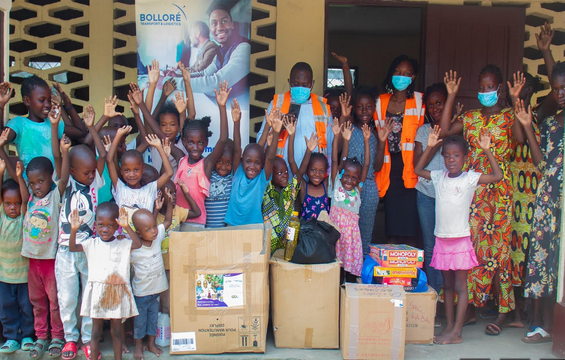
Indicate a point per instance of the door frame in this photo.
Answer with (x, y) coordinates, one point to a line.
(381, 3)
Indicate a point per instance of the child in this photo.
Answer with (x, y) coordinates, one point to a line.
(16, 310)
(221, 177)
(345, 191)
(454, 192)
(107, 294)
(280, 196)
(71, 269)
(250, 181)
(543, 264)
(149, 279)
(32, 134)
(179, 216)
(40, 243)
(194, 169)
(314, 197)
(132, 193)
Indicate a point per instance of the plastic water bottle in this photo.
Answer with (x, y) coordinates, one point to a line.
(291, 236)
(163, 337)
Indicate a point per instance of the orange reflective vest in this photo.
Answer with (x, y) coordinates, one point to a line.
(322, 118)
(413, 118)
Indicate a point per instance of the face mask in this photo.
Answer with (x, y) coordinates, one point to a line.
(489, 99)
(300, 94)
(401, 82)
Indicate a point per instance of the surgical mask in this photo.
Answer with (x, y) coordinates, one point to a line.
(401, 82)
(489, 99)
(300, 94)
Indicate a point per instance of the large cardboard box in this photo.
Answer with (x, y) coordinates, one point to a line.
(305, 304)
(373, 321)
(219, 289)
(420, 315)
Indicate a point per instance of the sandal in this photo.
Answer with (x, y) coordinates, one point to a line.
(86, 350)
(56, 348)
(38, 349)
(492, 329)
(10, 346)
(27, 344)
(531, 337)
(69, 347)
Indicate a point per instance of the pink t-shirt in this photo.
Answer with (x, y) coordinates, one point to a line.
(198, 186)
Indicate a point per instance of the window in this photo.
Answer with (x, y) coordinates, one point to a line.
(335, 77)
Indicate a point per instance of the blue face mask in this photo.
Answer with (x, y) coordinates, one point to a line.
(300, 94)
(489, 99)
(401, 82)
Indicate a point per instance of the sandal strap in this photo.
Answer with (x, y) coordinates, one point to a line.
(70, 346)
(10, 344)
(539, 330)
(56, 343)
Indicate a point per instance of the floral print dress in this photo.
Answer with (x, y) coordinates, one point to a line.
(543, 262)
(491, 211)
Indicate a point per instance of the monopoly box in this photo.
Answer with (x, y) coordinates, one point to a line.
(389, 255)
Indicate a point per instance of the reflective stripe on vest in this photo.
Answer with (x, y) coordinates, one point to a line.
(413, 119)
(322, 118)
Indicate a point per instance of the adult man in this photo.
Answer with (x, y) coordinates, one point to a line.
(204, 49)
(312, 112)
(232, 60)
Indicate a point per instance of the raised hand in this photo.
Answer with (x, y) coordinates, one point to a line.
(6, 92)
(275, 113)
(366, 132)
(110, 107)
(452, 82)
(19, 168)
(484, 139)
(289, 125)
(56, 98)
(525, 118)
(277, 124)
(159, 201)
(312, 144)
(65, 98)
(235, 111)
(4, 136)
(458, 111)
(545, 36)
(270, 137)
(107, 142)
(75, 220)
(342, 59)
(346, 131)
(223, 93)
(180, 101)
(65, 143)
(136, 93)
(185, 73)
(169, 195)
(336, 127)
(385, 130)
(123, 220)
(433, 138)
(167, 146)
(182, 185)
(123, 131)
(153, 140)
(519, 82)
(153, 71)
(2, 167)
(55, 115)
(88, 115)
(133, 105)
(346, 108)
(169, 86)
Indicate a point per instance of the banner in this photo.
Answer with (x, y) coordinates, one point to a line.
(209, 37)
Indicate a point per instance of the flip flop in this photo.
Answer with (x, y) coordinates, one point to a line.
(490, 314)
(494, 332)
(86, 350)
(27, 344)
(544, 336)
(38, 349)
(10, 346)
(69, 347)
(56, 344)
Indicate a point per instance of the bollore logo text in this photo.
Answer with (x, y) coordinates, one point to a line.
(172, 18)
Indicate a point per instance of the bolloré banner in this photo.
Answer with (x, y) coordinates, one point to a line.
(211, 38)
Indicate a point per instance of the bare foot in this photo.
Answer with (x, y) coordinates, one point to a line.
(125, 349)
(448, 338)
(515, 324)
(154, 349)
(448, 330)
(138, 352)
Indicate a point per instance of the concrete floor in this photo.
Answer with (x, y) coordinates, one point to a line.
(475, 345)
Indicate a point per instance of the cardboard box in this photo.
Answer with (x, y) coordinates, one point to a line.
(373, 321)
(219, 289)
(389, 255)
(420, 315)
(305, 304)
(403, 272)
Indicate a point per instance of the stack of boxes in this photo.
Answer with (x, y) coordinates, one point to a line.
(397, 264)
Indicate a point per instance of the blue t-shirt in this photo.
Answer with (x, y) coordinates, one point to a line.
(33, 139)
(246, 198)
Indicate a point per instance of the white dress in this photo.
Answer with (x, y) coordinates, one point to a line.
(108, 293)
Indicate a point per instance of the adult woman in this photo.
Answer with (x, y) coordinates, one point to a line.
(394, 165)
(491, 211)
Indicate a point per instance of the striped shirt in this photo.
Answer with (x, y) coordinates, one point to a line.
(13, 266)
(217, 203)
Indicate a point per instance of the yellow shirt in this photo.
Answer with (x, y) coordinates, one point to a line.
(179, 216)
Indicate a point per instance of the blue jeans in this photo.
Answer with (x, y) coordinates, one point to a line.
(16, 311)
(146, 322)
(427, 215)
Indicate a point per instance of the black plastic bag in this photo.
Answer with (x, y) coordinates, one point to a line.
(316, 243)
